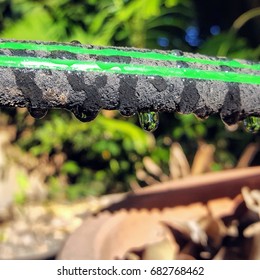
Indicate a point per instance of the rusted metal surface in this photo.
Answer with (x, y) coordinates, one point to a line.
(149, 217)
(192, 189)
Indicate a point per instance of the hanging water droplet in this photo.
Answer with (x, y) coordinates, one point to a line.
(229, 120)
(75, 42)
(84, 115)
(37, 113)
(252, 124)
(177, 52)
(149, 120)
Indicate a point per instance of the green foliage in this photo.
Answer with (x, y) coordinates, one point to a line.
(95, 137)
(225, 44)
(189, 126)
(111, 22)
(23, 183)
(97, 153)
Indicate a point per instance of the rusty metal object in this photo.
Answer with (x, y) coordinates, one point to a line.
(144, 218)
(201, 188)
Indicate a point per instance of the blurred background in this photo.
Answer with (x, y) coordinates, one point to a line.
(58, 158)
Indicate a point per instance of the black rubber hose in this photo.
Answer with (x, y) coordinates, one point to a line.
(85, 79)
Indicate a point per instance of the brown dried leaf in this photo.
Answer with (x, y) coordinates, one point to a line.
(154, 169)
(143, 176)
(248, 155)
(203, 159)
(135, 186)
(178, 163)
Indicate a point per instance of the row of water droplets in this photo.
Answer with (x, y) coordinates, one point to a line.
(79, 113)
(149, 121)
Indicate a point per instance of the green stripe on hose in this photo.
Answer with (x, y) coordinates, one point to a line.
(121, 52)
(120, 68)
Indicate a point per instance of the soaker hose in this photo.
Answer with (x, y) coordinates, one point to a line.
(86, 78)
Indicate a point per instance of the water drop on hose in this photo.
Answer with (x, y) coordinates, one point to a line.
(75, 42)
(252, 124)
(149, 120)
(37, 113)
(177, 53)
(84, 115)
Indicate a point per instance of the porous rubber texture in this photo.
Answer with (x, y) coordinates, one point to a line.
(92, 91)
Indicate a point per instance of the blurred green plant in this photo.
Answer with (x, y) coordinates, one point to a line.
(104, 155)
(129, 23)
(23, 183)
(228, 43)
(98, 157)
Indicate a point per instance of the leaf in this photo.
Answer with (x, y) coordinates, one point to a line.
(203, 159)
(70, 167)
(248, 155)
(140, 140)
(171, 3)
(152, 167)
(178, 163)
(26, 29)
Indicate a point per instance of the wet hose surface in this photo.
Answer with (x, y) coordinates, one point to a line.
(86, 78)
